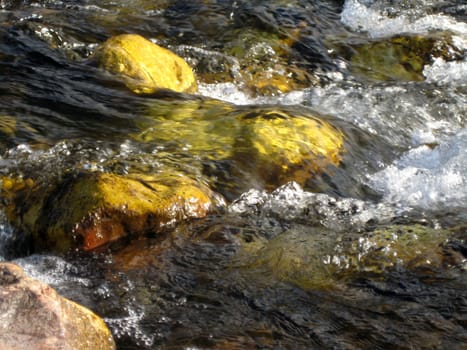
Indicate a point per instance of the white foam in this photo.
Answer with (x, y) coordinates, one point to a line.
(360, 17)
(291, 203)
(231, 93)
(427, 178)
(51, 270)
(228, 92)
(404, 115)
(442, 72)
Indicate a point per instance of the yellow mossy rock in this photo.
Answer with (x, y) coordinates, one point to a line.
(205, 129)
(19, 190)
(87, 210)
(269, 145)
(106, 207)
(287, 147)
(144, 65)
(400, 58)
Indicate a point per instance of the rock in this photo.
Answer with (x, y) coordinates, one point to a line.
(87, 210)
(266, 67)
(400, 58)
(34, 316)
(145, 66)
(254, 60)
(298, 257)
(8, 125)
(276, 80)
(283, 147)
(262, 147)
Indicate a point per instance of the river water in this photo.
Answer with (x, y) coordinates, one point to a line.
(371, 256)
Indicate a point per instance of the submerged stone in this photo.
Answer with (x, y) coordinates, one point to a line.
(145, 66)
(87, 210)
(248, 146)
(300, 257)
(257, 61)
(401, 57)
(8, 125)
(34, 316)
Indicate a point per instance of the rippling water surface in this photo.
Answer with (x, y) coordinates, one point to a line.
(372, 256)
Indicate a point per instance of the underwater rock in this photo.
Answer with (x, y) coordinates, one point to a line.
(34, 316)
(401, 57)
(145, 66)
(298, 257)
(8, 125)
(257, 61)
(87, 210)
(248, 146)
(280, 78)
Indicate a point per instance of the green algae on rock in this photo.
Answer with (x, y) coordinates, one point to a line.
(34, 316)
(87, 210)
(144, 66)
(299, 257)
(401, 58)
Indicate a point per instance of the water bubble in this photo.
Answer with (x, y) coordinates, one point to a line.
(130, 326)
(52, 270)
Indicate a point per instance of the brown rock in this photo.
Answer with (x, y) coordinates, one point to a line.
(87, 210)
(34, 316)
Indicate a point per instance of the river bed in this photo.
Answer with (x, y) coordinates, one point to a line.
(370, 256)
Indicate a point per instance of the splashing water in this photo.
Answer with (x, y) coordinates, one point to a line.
(291, 203)
(426, 177)
(183, 290)
(376, 19)
(443, 73)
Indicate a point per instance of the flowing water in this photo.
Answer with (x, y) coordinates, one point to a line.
(370, 256)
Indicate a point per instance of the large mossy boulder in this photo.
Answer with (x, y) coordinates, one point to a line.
(144, 66)
(258, 146)
(87, 210)
(34, 316)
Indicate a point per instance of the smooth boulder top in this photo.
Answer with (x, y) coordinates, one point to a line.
(144, 66)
